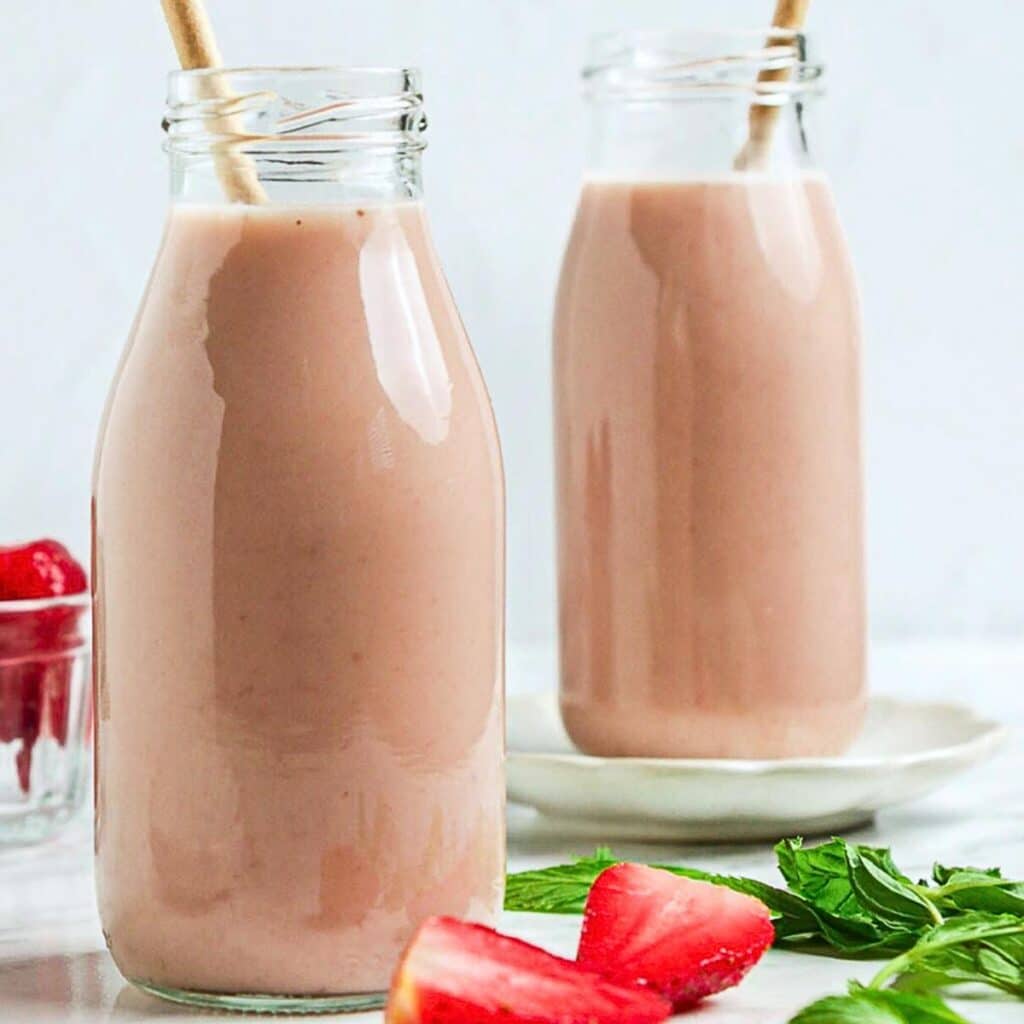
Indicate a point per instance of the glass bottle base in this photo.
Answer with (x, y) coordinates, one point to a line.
(253, 1003)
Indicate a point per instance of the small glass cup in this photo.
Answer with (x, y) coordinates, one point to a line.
(45, 715)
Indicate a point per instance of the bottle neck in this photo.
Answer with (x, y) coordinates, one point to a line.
(295, 135)
(334, 178)
(684, 104)
(693, 139)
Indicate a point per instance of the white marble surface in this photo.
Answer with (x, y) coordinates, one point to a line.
(53, 967)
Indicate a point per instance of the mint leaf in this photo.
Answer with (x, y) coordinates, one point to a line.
(563, 889)
(847, 1010)
(942, 874)
(878, 1006)
(844, 884)
(558, 890)
(820, 875)
(856, 883)
(962, 889)
(889, 896)
(986, 949)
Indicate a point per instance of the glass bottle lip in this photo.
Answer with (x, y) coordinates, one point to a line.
(328, 108)
(766, 66)
(342, 72)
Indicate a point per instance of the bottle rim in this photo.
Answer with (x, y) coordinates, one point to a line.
(317, 110)
(767, 66)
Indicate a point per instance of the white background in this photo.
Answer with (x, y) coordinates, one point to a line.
(926, 149)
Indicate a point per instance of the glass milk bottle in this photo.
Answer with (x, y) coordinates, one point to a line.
(707, 404)
(299, 562)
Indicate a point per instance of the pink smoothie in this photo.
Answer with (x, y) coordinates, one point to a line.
(709, 471)
(299, 585)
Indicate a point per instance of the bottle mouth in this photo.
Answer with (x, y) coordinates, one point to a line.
(265, 111)
(767, 67)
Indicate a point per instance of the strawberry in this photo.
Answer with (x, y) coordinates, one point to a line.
(458, 973)
(35, 673)
(42, 568)
(682, 938)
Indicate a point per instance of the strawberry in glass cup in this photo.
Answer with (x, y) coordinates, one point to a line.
(43, 603)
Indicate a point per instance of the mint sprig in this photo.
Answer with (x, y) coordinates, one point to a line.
(823, 911)
(977, 948)
(965, 925)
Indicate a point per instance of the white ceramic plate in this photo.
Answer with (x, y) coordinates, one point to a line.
(906, 750)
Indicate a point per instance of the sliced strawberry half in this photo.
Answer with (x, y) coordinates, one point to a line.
(458, 973)
(682, 938)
